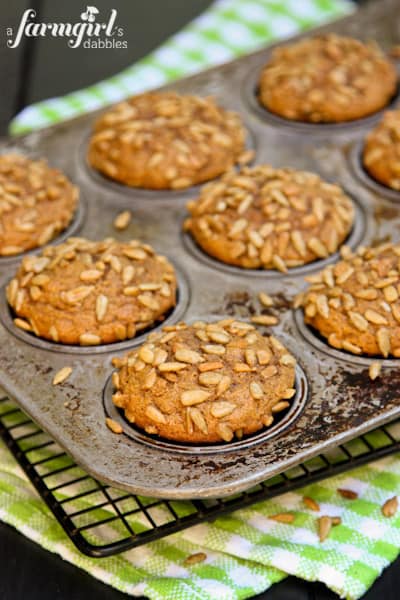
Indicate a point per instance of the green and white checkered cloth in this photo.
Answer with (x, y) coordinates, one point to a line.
(246, 552)
(229, 29)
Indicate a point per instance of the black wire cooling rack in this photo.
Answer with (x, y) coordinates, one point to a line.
(102, 521)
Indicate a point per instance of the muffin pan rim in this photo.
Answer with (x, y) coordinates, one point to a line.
(174, 315)
(297, 405)
(324, 422)
(353, 240)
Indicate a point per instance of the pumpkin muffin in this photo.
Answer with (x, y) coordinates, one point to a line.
(36, 203)
(355, 303)
(381, 154)
(327, 79)
(270, 218)
(89, 293)
(163, 140)
(205, 382)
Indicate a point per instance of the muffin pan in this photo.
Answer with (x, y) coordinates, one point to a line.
(335, 399)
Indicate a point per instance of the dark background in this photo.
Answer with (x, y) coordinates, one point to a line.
(40, 68)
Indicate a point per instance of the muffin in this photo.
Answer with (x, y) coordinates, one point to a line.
(381, 153)
(88, 293)
(270, 218)
(355, 303)
(36, 203)
(205, 382)
(327, 79)
(162, 140)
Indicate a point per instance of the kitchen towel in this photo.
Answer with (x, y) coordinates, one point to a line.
(246, 552)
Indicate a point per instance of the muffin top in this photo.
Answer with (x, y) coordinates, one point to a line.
(325, 79)
(205, 382)
(381, 154)
(163, 140)
(355, 303)
(88, 293)
(270, 218)
(36, 203)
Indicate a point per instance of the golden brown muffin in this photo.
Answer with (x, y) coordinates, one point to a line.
(36, 203)
(88, 293)
(162, 140)
(381, 154)
(327, 79)
(355, 303)
(270, 218)
(205, 382)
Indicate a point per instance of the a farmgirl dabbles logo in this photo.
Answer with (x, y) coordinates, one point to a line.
(86, 32)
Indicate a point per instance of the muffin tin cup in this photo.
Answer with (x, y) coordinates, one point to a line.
(250, 97)
(173, 316)
(336, 400)
(283, 421)
(356, 162)
(353, 240)
(72, 229)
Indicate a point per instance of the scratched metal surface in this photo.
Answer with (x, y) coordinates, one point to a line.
(341, 403)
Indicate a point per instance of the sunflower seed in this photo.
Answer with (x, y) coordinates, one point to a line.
(89, 339)
(350, 347)
(101, 306)
(210, 378)
(22, 324)
(122, 220)
(265, 299)
(264, 320)
(197, 396)
(348, 494)
(150, 379)
(77, 295)
(250, 356)
(62, 375)
(298, 242)
(155, 414)
(210, 366)
(113, 425)
(214, 349)
(135, 253)
(256, 390)
(222, 409)
(374, 370)
(390, 507)
(193, 559)
(198, 419)
(172, 367)
(224, 431)
(146, 354)
(311, 504)
(188, 356)
(282, 517)
(90, 275)
(219, 337)
(317, 247)
(128, 273)
(53, 333)
(223, 385)
(148, 302)
(279, 263)
(374, 317)
(160, 356)
(279, 406)
(324, 527)
(269, 371)
(383, 339)
(264, 356)
(358, 321)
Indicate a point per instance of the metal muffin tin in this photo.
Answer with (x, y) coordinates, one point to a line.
(335, 399)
